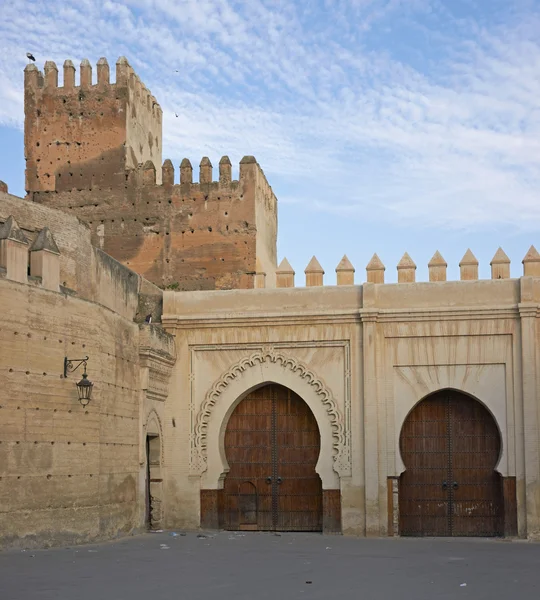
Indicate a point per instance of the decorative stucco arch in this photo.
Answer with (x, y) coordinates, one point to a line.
(260, 368)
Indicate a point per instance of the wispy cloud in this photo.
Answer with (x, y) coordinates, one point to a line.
(400, 110)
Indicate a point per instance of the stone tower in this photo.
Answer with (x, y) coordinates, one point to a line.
(94, 151)
(84, 136)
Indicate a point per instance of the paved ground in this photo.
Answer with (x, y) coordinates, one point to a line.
(258, 566)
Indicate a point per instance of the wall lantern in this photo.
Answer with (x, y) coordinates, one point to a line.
(84, 386)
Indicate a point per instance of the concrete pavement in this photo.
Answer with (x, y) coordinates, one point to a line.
(260, 566)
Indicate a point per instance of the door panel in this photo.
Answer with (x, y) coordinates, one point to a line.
(423, 499)
(450, 446)
(476, 486)
(299, 488)
(272, 445)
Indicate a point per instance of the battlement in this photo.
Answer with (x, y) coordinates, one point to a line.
(47, 80)
(406, 269)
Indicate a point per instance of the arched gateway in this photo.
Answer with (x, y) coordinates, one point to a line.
(450, 445)
(272, 445)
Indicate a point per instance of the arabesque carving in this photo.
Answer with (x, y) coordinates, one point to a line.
(199, 450)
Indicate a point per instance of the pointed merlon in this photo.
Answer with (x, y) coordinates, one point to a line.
(406, 262)
(225, 160)
(314, 273)
(285, 267)
(468, 267)
(500, 258)
(437, 260)
(10, 230)
(406, 269)
(285, 275)
(531, 263)
(500, 265)
(345, 272)
(314, 266)
(345, 264)
(375, 270)
(532, 255)
(468, 259)
(437, 267)
(375, 264)
(45, 241)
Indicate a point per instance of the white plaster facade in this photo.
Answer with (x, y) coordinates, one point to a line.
(361, 357)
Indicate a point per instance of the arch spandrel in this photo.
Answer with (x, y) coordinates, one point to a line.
(260, 368)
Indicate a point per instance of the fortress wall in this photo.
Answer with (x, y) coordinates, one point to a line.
(188, 235)
(68, 474)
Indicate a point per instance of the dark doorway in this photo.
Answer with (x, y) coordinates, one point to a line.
(153, 482)
(272, 444)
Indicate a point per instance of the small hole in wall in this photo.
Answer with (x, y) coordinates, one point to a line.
(173, 422)
(209, 229)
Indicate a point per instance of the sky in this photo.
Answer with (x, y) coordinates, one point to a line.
(384, 126)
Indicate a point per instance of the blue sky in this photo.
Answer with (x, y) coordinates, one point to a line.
(382, 125)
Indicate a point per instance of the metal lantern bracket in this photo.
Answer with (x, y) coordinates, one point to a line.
(72, 364)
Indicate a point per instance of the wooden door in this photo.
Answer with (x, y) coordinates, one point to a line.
(272, 444)
(476, 490)
(450, 446)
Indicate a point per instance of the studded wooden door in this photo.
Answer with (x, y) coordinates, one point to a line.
(450, 446)
(272, 445)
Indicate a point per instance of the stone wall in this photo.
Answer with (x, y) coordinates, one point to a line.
(187, 236)
(94, 151)
(71, 473)
(85, 136)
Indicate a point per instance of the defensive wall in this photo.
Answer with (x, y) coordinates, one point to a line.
(71, 473)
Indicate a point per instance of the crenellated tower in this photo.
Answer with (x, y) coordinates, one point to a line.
(86, 135)
(94, 150)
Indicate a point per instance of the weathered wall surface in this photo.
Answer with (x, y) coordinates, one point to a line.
(94, 151)
(190, 236)
(68, 473)
(85, 136)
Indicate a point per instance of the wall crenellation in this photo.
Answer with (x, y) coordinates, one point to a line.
(406, 269)
(48, 80)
